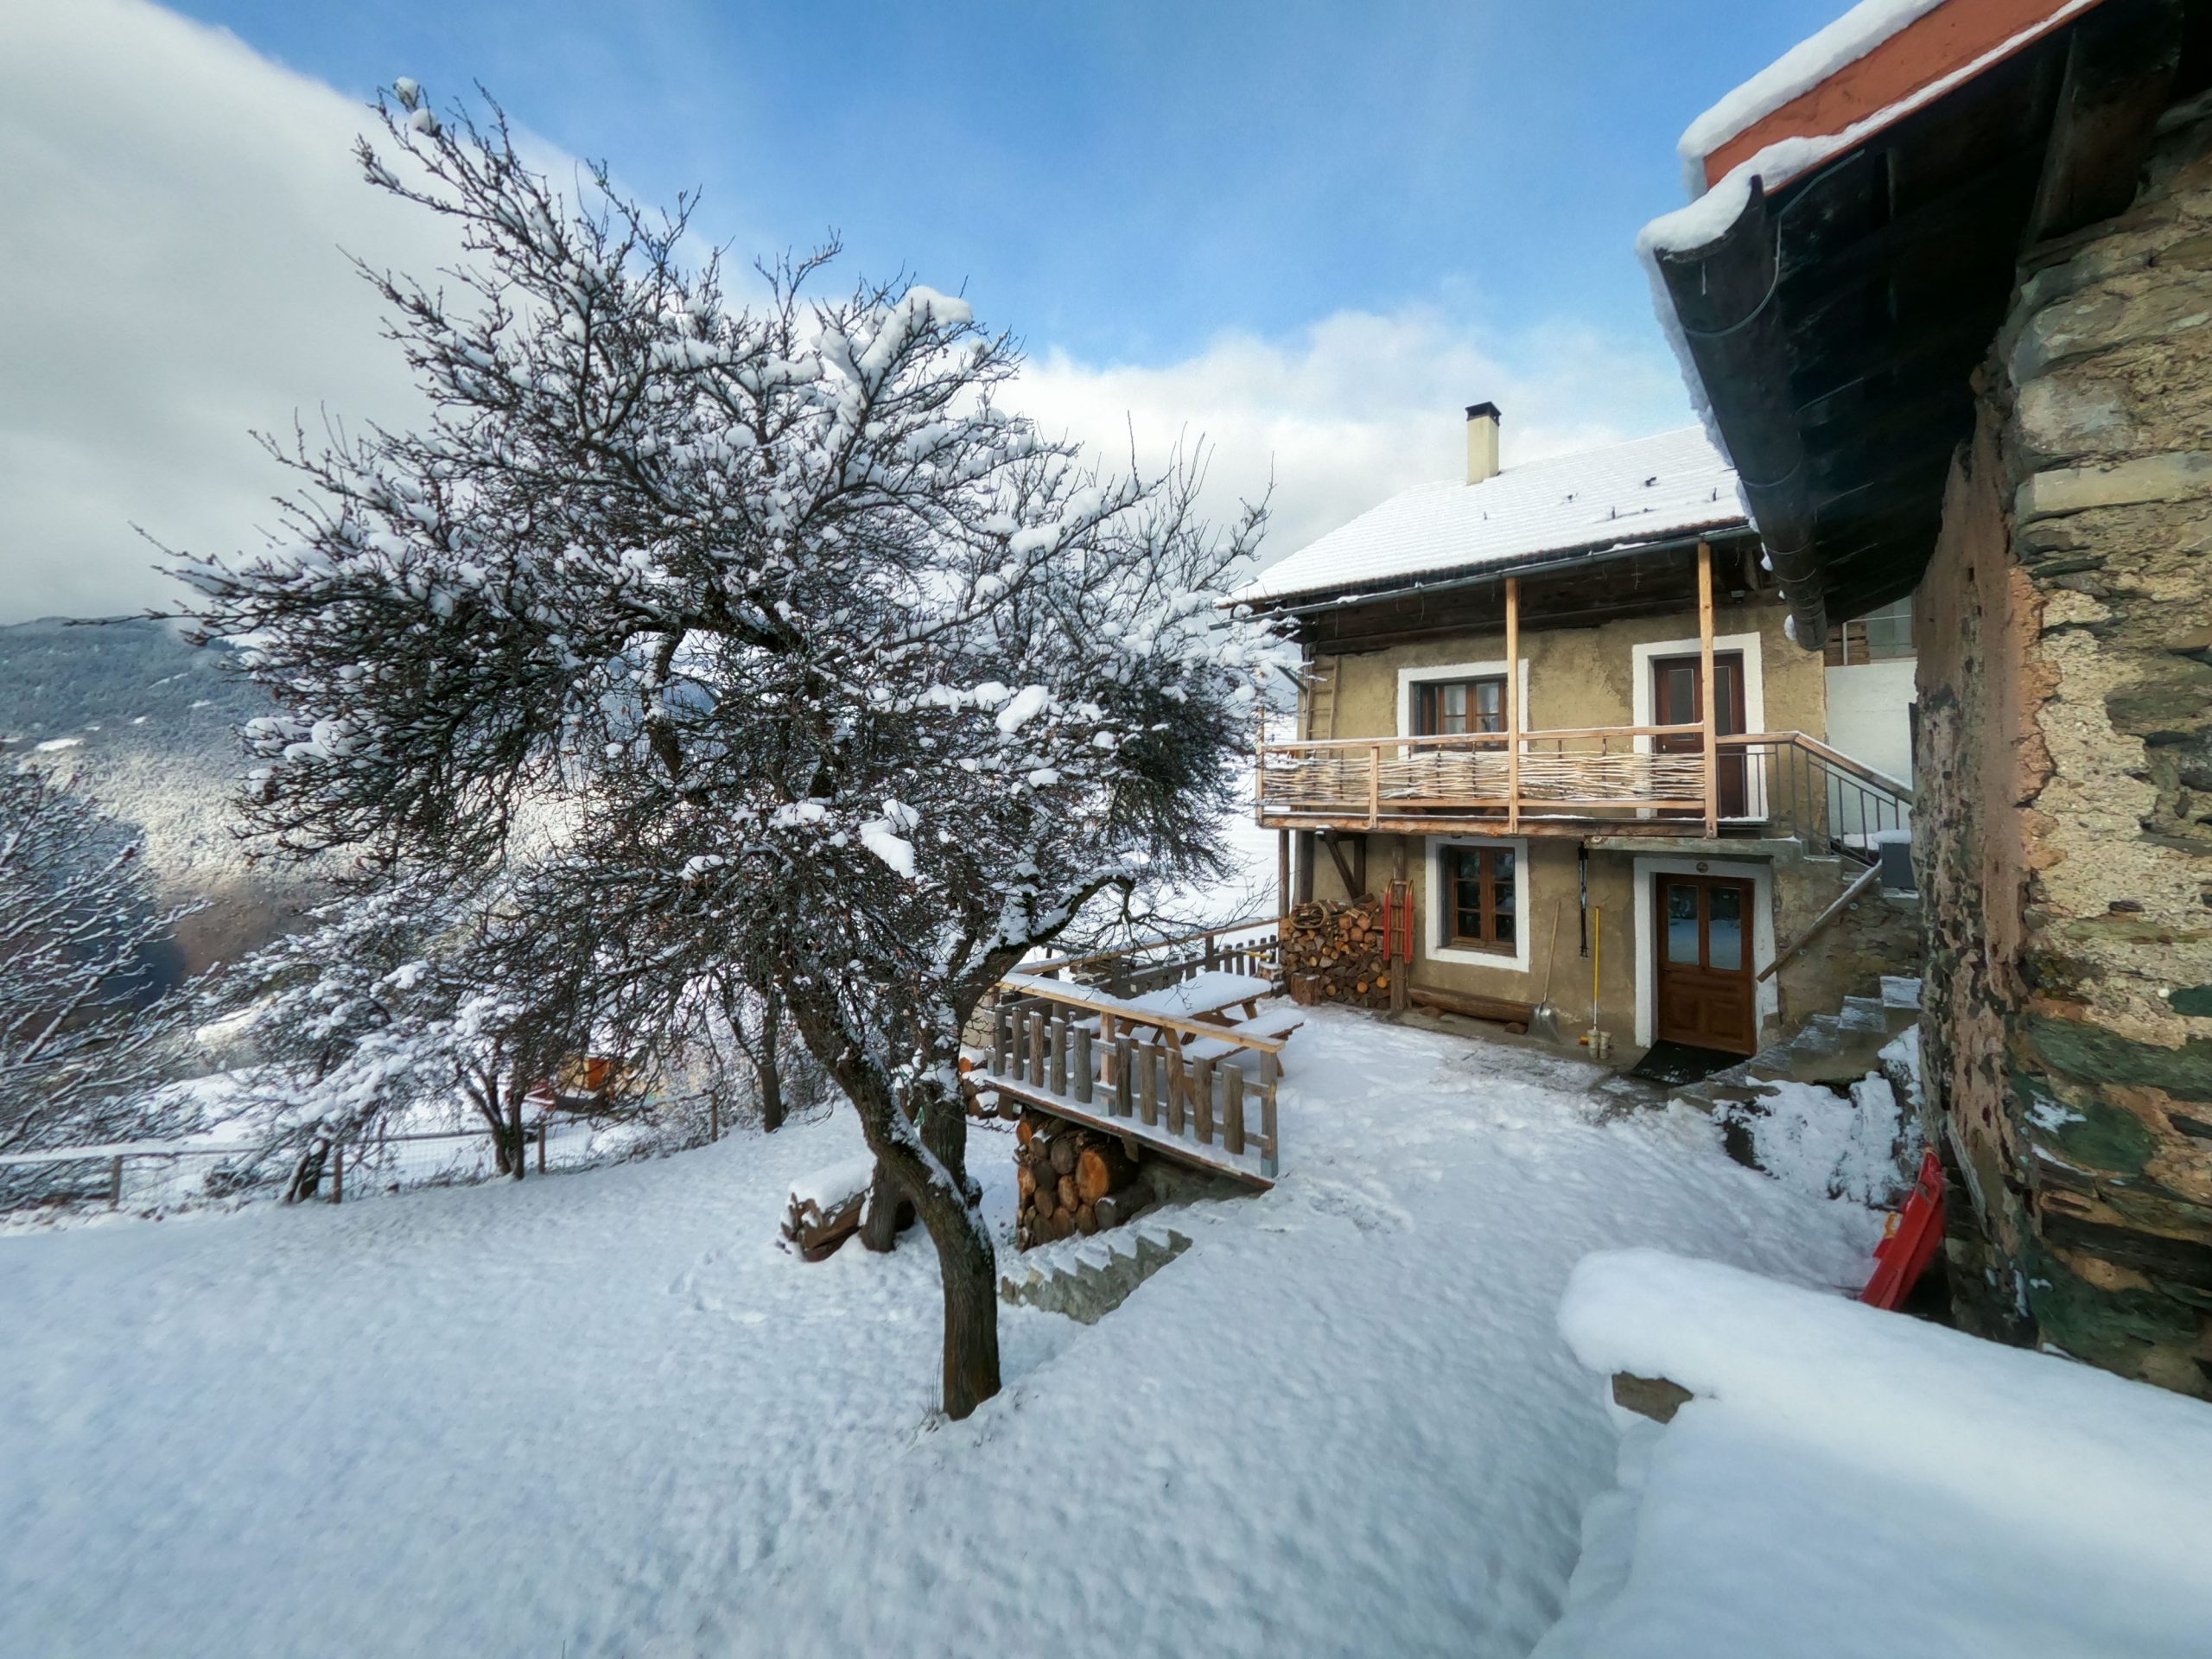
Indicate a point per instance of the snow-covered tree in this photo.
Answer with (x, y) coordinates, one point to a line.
(850, 681)
(80, 1041)
(389, 1006)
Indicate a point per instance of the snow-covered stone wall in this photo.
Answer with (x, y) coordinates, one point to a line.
(2065, 813)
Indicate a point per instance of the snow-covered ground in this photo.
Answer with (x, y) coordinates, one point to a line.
(603, 1414)
(1851, 1484)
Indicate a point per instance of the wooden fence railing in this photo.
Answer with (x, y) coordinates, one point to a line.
(1243, 948)
(1203, 1108)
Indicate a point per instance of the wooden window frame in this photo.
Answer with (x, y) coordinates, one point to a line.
(1429, 695)
(1488, 882)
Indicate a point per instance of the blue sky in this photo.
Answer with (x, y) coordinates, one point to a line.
(1310, 233)
(1119, 181)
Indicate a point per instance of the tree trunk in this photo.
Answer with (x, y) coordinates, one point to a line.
(971, 1302)
(952, 1214)
(768, 1068)
(518, 1142)
(886, 1199)
(307, 1174)
(507, 1142)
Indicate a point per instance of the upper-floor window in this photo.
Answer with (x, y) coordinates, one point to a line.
(1880, 636)
(1450, 708)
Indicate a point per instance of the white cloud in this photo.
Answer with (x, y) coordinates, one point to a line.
(178, 210)
(175, 208)
(1358, 406)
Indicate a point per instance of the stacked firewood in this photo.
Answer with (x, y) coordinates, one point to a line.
(1073, 1179)
(1335, 953)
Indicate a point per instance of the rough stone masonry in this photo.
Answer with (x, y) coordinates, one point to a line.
(2065, 810)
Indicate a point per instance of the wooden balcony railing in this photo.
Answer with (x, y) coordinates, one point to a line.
(1376, 783)
(1650, 778)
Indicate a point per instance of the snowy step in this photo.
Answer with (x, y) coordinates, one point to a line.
(1821, 1034)
(1087, 1279)
(1900, 992)
(1863, 1013)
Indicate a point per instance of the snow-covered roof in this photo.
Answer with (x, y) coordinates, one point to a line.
(1911, 55)
(1796, 71)
(1645, 490)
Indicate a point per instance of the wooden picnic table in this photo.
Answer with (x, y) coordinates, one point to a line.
(1205, 997)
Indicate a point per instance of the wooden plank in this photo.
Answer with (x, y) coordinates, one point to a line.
(1501, 1009)
(1401, 972)
(2119, 70)
(1270, 1145)
(1124, 1077)
(1098, 1003)
(1202, 1100)
(1147, 1081)
(1258, 1173)
(1036, 1046)
(1477, 740)
(1170, 1063)
(1709, 702)
(1059, 1057)
(1053, 964)
(1082, 1079)
(1344, 869)
(1374, 782)
(1232, 1111)
(1512, 706)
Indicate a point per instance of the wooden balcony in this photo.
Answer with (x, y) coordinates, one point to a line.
(1631, 779)
(1624, 777)
(1653, 780)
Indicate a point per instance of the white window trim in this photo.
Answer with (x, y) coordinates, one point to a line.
(1754, 703)
(1766, 994)
(1440, 901)
(1410, 677)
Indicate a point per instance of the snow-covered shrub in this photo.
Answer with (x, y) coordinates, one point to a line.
(81, 1037)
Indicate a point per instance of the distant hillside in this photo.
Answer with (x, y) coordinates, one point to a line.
(148, 724)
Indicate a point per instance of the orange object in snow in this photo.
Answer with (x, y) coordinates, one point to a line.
(1908, 1240)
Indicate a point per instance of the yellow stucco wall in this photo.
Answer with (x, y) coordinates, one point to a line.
(1585, 676)
(1576, 677)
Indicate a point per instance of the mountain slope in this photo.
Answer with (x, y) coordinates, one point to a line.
(148, 724)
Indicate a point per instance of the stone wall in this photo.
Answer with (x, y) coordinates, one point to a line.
(2065, 805)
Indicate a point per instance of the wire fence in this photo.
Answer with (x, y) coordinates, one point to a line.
(151, 1178)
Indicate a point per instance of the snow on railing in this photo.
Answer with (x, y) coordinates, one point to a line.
(1144, 1046)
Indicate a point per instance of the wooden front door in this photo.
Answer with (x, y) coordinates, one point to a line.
(1706, 994)
(1678, 699)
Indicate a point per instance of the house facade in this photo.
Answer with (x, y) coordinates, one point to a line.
(1506, 715)
(1945, 295)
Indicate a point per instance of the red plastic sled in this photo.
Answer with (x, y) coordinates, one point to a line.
(1909, 1241)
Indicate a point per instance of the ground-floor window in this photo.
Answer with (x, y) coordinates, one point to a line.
(1481, 908)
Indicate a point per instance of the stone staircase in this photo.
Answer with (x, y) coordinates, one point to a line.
(1837, 1049)
(1086, 1279)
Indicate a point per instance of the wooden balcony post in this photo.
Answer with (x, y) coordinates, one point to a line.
(1374, 784)
(1512, 704)
(1708, 704)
